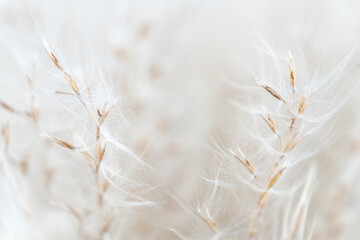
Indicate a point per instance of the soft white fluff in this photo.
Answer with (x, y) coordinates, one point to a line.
(187, 149)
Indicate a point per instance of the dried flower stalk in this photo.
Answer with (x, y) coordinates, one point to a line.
(290, 142)
(94, 161)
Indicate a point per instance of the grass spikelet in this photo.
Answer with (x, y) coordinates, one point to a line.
(270, 122)
(63, 93)
(209, 220)
(106, 185)
(304, 101)
(292, 73)
(52, 56)
(272, 92)
(5, 135)
(247, 164)
(33, 113)
(291, 143)
(102, 152)
(75, 213)
(62, 143)
(292, 78)
(302, 105)
(7, 107)
(276, 178)
(296, 143)
(72, 83)
(67, 75)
